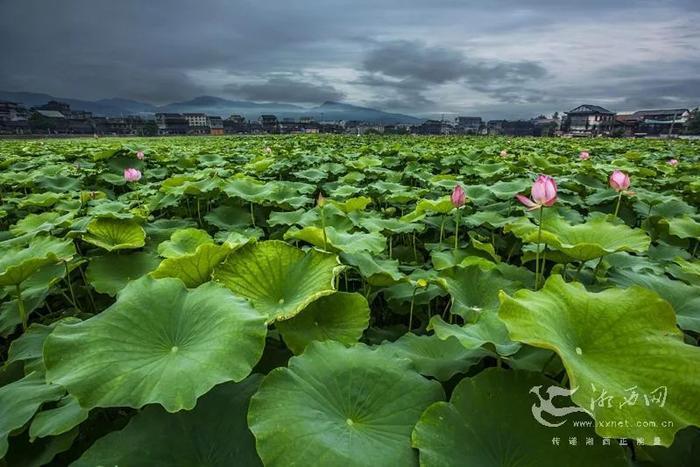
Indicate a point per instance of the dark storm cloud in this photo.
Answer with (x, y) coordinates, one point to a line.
(286, 90)
(416, 62)
(512, 56)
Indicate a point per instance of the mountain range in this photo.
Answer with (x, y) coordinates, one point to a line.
(211, 105)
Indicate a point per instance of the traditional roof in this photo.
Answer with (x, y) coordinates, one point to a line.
(51, 113)
(590, 109)
(642, 113)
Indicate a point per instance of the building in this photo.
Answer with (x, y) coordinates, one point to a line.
(8, 111)
(662, 121)
(468, 125)
(216, 125)
(589, 120)
(235, 124)
(172, 124)
(544, 126)
(198, 123)
(269, 123)
(55, 106)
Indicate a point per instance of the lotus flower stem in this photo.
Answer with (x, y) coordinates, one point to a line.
(415, 253)
(252, 214)
(459, 219)
(199, 214)
(617, 207)
(391, 242)
(323, 228)
(410, 313)
(537, 252)
(442, 228)
(20, 307)
(70, 286)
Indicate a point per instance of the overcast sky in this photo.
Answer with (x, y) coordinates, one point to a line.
(495, 58)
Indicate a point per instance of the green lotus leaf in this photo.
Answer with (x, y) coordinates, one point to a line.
(683, 227)
(228, 217)
(214, 433)
(684, 298)
(299, 217)
(339, 241)
(40, 452)
(110, 273)
(196, 268)
(687, 270)
(162, 229)
(53, 422)
(279, 279)
(683, 453)
(489, 422)
(183, 242)
(18, 264)
(59, 184)
(378, 272)
(432, 356)
(595, 238)
(340, 317)
(474, 289)
(106, 208)
(248, 189)
(614, 344)
(20, 400)
(423, 207)
(159, 343)
(348, 406)
(487, 331)
(115, 234)
(352, 204)
(43, 200)
(44, 222)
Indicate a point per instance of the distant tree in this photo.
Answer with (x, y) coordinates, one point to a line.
(39, 122)
(693, 127)
(556, 115)
(150, 128)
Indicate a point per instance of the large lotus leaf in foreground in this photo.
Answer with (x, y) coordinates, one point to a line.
(595, 238)
(19, 401)
(115, 234)
(17, 264)
(340, 406)
(159, 343)
(110, 273)
(489, 423)
(279, 279)
(474, 289)
(215, 433)
(622, 351)
(339, 317)
(432, 356)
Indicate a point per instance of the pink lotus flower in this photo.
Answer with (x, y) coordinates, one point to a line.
(458, 197)
(504, 153)
(672, 162)
(140, 155)
(132, 175)
(619, 181)
(584, 156)
(543, 193)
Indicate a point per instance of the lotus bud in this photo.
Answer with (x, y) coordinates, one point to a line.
(139, 155)
(321, 200)
(543, 193)
(458, 197)
(268, 150)
(584, 156)
(132, 175)
(504, 153)
(672, 162)
(421, 283)
(619, 181)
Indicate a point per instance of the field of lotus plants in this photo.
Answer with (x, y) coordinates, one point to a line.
(349, 301)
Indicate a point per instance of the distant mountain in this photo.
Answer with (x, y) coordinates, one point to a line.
(212, 105)
(340, 111)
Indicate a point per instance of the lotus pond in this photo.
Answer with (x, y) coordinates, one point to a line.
(347, 301)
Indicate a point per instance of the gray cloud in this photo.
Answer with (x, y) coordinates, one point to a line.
(286, 90)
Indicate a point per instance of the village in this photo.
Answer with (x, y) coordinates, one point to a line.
(57, 118)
